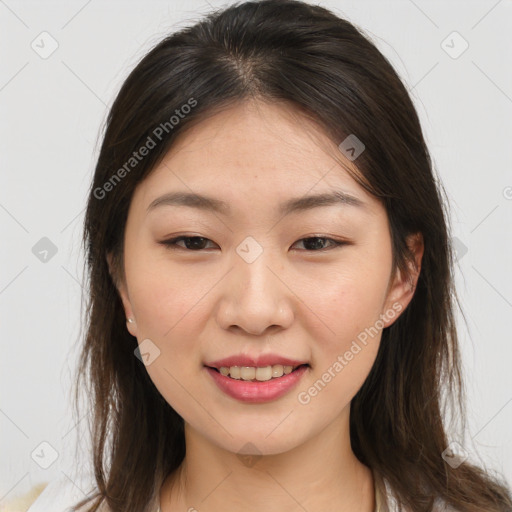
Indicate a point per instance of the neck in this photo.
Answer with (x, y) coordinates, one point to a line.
(321, 474)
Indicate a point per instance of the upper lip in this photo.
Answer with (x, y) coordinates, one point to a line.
(254, 361)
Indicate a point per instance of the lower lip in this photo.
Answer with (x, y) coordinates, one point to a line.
(257, 392)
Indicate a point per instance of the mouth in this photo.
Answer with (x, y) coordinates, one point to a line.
(257, 374)
(257, 385)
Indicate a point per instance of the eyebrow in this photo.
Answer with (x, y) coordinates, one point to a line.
(206, 203)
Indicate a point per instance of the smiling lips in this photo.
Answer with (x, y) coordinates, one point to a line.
(260, 374)
(256, 379)
(255, 361)
(261, 368)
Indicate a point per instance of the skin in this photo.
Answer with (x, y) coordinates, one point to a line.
(305, 303)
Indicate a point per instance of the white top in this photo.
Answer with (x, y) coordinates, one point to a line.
(61, 494)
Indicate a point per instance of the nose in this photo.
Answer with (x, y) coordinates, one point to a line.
(255, 297)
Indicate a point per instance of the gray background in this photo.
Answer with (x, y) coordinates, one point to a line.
(51, 112)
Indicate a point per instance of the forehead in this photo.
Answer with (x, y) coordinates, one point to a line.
(254, 151)
(255, 135)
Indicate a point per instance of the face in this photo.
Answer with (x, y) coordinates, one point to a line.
(312, 283)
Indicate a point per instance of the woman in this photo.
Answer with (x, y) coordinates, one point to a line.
(271, 314)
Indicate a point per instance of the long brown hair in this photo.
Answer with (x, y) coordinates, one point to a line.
(281, 51)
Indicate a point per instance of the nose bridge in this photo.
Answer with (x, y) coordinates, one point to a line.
(258, 275)
(255, 296)
(253, 264)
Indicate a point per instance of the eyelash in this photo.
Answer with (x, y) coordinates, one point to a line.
(172, 243)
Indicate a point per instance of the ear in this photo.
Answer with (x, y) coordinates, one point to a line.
(123, 293)
(403, 284)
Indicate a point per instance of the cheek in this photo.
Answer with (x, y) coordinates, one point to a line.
(350, 298)
(162, 296)
(168, 309)
(350, 318)
(343, 356)
(169, 312)
(347, 310)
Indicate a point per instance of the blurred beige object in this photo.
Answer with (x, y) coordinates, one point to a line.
(23, 502)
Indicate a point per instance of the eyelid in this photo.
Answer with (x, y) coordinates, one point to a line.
(171, 243)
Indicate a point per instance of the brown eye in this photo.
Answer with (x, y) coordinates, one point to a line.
(317, 243)
(192, 243)
(199, 243)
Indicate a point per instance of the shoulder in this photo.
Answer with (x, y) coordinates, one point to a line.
(58, 495)
(392, 505)
(20, 503)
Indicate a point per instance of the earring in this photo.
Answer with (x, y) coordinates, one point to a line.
(130, 320)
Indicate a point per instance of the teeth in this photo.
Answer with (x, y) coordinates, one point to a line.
(252, 373)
